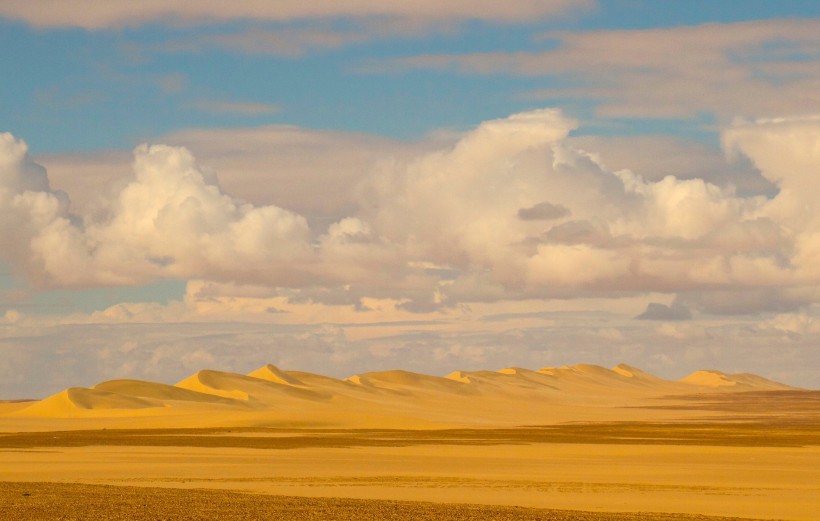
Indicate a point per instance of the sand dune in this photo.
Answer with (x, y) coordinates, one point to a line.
(580, 437)
(405, 382)
(396, 398)
(273, 374)
(739, 382)
(79, 401)
(158, 391)
(250, 389)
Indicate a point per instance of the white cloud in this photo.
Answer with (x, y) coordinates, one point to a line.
(310, 172)
(654, 157)
(29, 209)
(787, 151)
(461, 208)
(169, 221)
(431, 230)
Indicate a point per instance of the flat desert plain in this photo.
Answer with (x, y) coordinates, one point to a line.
(580, 442)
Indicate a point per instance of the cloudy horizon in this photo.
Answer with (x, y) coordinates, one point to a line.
(451, 186)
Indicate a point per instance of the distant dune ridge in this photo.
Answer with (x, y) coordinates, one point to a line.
(270, 396)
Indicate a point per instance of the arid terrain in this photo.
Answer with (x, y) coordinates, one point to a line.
(102, 502)
(582, 442)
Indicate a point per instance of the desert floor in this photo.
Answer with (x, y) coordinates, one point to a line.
(102, 502)
(596, 471)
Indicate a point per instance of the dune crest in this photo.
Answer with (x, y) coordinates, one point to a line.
(396, 398)
(79, 401)
(741, 381)
(272, 373)
(157, 391)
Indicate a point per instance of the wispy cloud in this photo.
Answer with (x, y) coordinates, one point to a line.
(92, 14)
(241, 108)
(286, 41)
(750, 68)
(171, 83)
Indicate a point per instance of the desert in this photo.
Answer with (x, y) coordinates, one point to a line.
(572, 442)
(409, 260)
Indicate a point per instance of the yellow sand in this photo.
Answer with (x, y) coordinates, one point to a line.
(397, 399)
(733, 481)
(750, 481)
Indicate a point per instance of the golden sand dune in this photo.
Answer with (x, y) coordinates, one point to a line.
(510, 396)
(158, 391)
(78, 402)
(741, 381)
(257, 391)
(405, 382)
(619, 442)
(272, 373)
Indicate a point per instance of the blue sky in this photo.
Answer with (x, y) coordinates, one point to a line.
(350, 164)
(74, 89)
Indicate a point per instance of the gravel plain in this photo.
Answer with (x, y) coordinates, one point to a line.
(80, 502)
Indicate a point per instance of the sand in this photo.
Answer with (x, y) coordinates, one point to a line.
(105, 503)
(591, 442)
(271, 397)
(754, 471)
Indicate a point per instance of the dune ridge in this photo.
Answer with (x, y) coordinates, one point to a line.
(396, 398)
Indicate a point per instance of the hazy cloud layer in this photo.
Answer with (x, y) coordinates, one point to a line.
(31, 365)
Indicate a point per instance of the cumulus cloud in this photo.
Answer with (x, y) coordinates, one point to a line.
(787, 152)
(311, 172)
(510, 211)
(30, 210)
(656, 157)
(462, 208)
(171, 220)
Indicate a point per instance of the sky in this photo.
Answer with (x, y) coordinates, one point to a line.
(342, 187)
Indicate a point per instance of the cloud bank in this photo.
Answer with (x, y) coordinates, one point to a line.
(511, 211)
(509, 245)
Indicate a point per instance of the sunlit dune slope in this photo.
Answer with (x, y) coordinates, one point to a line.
(509, 396)
(164, 393)
(256, 391)
(405, 382)
(79, 401)
(738, 382)
(273, 374)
